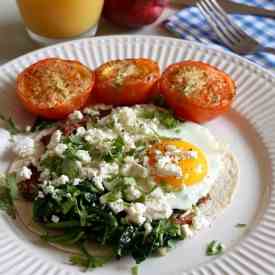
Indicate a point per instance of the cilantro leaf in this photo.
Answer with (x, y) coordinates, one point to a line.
(88, 261)
(11, 183)
(8, 193)
(214, 248)
(10, 125)
(167, 119)
(116, 150)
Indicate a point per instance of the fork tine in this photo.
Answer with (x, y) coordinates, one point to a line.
(211, 21)
(224, 22)
(221, 13)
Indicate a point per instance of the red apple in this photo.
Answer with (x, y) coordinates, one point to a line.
(133, 13)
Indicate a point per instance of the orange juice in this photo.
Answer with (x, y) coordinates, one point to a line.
(60, 18)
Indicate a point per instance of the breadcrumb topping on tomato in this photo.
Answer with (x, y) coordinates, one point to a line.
(53, 87)
(194, 83)
(53, 84)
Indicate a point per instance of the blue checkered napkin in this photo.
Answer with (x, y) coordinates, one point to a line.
(191, 25)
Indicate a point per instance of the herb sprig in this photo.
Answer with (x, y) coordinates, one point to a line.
(8, 193)
(10, 125)
(165, 117)
(214, 248)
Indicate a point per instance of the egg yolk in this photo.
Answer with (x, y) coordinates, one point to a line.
(189, 159)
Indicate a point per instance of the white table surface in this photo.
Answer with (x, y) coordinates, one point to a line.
(14, 40)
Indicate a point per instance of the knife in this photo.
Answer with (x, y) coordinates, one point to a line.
(233, 7)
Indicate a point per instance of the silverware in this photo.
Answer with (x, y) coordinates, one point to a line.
(227, 31)
(233, 7)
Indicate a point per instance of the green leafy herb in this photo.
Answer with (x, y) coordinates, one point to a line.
(10, 125)
(62, 166)
(41, 124)
(165, 117)
(116, 151)
(134, 270)
(214, 248)
(8, 193)
(148, 114)
(62, 225)
(240, 225)
(11, 183)
(167, 120)
(111, 196)
(69, 237)
(82, 217)
(88, 261)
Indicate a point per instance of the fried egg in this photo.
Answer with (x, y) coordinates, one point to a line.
(196, 154)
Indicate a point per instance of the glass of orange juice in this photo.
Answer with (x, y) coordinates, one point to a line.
(52, 21)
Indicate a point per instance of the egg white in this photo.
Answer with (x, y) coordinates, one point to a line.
(200, 136)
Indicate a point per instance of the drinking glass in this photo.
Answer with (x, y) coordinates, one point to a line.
(52, 21)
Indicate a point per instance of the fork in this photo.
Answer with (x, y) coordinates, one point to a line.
(227, 31)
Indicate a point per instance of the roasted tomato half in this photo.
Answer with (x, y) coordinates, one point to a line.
(125, 82)
(52, 88)
(197, 91)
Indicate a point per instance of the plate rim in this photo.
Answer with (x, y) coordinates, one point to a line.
(257, 66)
(249, 65)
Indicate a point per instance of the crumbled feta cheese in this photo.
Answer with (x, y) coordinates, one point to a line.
(132, 193)
(98, 182)
(92, 173)
(44, 175)
(78, 164)
(60, 149)
(83, 156)
(55, 219)
(129, 141)
(148, 228)
(63, 179)
(134, 169)
(136, 212)
(117, 206)
(127, 117)
(190, 154)
(76, 115)
(173, 152)
(165, 167)
(76, 181)
(55, 139)
(24, 147)
(81, 131)
(41, 195)
(108, 169)
(187, 232)
(95, 135)
(28, 128)
(24, 174)
(102, 107)
(48, 188)
(87, 172)
(157, 206)
(90, 111)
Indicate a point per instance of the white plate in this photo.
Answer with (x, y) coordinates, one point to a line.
(249, 129)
